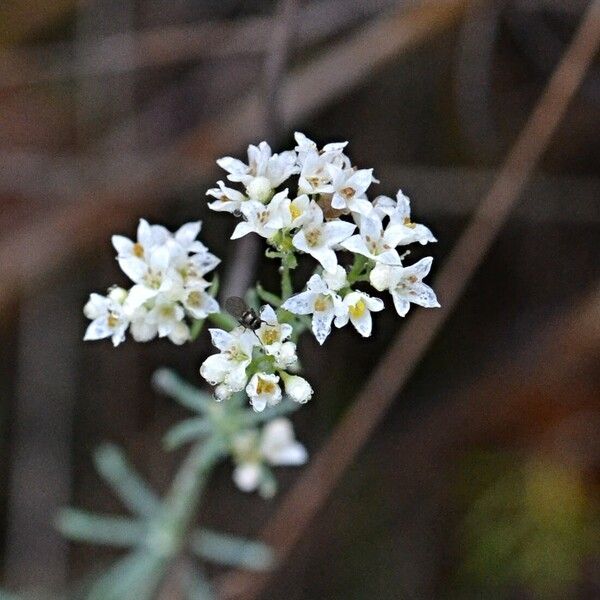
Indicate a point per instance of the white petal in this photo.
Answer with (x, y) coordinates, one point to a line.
(122, 245)
(363, 324)
(400, 303)
(327, 258)
(337, 231)
(187, 233)
(138, 294)
(247, 476)
(300, 304)
(321, 324)
(220, 338)
(241, 230)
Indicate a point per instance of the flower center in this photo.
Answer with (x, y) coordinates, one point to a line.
(295, 212)
(348, 193)
(322, 303)
(264, 386)
(269, 335)
(358, 310)
(153, 279)
(113, 320)
(408, 223)
(313, 237)
(138, 250)
(195, 299)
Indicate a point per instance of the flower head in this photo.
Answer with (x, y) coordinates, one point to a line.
(254, 452)
(320, 301)
(358, 307)
(318, 238)
(228, 367)
(108, 317)
(263, 390)
(405, 284)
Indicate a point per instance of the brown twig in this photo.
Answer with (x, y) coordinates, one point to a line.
(306, 498)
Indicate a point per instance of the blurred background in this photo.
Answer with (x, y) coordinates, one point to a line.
(482, 480)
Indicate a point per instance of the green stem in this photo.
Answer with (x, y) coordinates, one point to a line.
(286, 280)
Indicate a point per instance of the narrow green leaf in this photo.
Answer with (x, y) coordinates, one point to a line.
(127, 484)
(187, 431)
(231, 550)
(82, 526)
(172, 385)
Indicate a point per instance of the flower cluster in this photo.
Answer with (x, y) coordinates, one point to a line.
(257, 361)
(329, 216)
(255, 451)
(168, 274)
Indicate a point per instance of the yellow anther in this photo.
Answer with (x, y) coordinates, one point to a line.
(138, 250)
(357, 310)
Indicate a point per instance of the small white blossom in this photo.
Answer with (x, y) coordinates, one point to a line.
(333, 151)
(406, 285)
(108, 318)
(151, 276)
(266, 221)
(286, 357)
(263, 173)
(358, 310)
(279, 445)
(271, 333)
(228, 367)
(227, 199)
(337, 279)
(263, 390)
(318, 238)
(299, 210)
(297, 388)
(252, 451)
(375, 242)
(149, 237)
(167, 317)
(399, 213)
(349, 187)
(197, 302)
(320, 301)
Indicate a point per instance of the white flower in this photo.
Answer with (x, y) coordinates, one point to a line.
(349, 187)
(108, 319)
(375, 242)
(286, 356)
(297, 388)
(148, 238)
(314, 175)
(399, 213)
(318, 238)
(358, 310)
(167, 317)
(300, 210)
(271, 333)
(405, 285)
(279, 446)
(271, 170)
(229, 366)
(264, 220)
(263, 390)
(276, 445)
(198, 303)
(227, 199)
(320, 301)
(336, 280)
(331, 153)
(380, 276)
(150, 276)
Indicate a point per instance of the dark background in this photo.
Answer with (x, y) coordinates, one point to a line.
(482, 480)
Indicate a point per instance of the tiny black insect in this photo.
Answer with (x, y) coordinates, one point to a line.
(245, 315)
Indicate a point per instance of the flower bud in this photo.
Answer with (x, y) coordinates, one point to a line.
(260, 189)
(298, 389)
